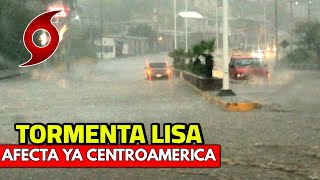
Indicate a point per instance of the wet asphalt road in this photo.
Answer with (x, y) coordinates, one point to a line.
(263, 144)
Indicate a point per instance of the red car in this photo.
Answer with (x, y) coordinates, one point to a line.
(246, 67)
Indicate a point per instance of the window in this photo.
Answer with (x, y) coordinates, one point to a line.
(108, 49)
(158, 65)
(248, 62)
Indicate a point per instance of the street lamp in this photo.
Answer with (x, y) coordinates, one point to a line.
(276, 32)
(226, 91)
(265, 26)
(186, 22)
(309, 10)
(217, 28)
(175, 24)
(101, 19)
(291, 25)
(191, 15)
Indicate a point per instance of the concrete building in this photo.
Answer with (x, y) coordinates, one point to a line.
(120, 46)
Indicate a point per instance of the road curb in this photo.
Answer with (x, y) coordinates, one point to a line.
(228, 106)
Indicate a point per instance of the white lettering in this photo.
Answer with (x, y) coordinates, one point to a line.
(196, 154)
(7, 155)
(210, 155)
(129, 154)
(89, 155)
(77, 155)
(184, 154)
(53, 155)
(67, 153)
(139, 151)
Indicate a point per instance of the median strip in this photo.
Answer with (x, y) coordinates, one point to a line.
(226, 105)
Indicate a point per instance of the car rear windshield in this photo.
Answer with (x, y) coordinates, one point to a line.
(158, 65)
(248, 62)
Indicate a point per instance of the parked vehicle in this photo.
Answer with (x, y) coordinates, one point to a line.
(108, 48)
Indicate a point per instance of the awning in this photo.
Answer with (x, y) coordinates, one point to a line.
(191, 14)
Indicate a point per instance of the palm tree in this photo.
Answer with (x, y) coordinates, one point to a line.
(204, 50)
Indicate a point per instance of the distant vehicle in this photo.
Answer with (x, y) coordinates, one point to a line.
(246, 67)
(108, 48)
(158, 70)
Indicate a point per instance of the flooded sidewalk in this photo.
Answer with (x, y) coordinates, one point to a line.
(285, 91)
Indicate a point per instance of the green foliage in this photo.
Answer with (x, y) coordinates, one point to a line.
(308, 35)
(14, 18)
(204, 47)
(178, 57)
(300, 56)
(201, 51)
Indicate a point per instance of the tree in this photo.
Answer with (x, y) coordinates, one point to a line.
(178, 57)
(14, 18)
(308, 51)
(308, 34)
(203, 50)
(201, 59)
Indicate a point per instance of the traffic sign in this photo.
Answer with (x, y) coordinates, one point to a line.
(284, 44)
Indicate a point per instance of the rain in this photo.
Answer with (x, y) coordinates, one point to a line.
(218, 53)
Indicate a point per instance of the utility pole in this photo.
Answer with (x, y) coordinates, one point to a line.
(155, 19)
(217, 27)
(186, 22)
(175, 24)
(276, 26)
(226, 91)
(291, 25)
(265, 27)
(309, 10)
(101, 18)
(92, 23)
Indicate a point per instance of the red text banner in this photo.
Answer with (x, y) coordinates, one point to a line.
(110, 156)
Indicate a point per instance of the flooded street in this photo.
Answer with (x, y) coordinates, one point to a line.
(279, 141)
